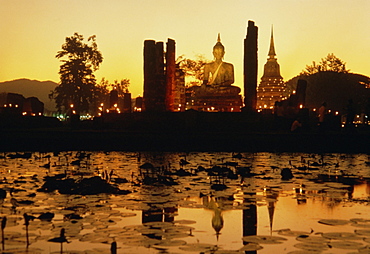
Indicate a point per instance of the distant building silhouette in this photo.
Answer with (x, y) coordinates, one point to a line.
(16, 104)
(32, 106)
(126, 107)
(272, 86)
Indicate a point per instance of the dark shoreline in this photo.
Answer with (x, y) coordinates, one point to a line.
(62, 139)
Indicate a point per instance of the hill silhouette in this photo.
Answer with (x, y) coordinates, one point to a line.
(31, 88)
(334, 88)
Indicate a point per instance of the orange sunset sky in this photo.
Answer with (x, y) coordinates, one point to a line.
(32, 31)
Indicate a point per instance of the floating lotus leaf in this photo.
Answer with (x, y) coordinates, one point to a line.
(336, 185)
(90, 236)
(333, 222)
(198, 247)
(173, 235)
(158, 224)
(312, 246)
(110, 220)
(138, 206)
(133, 227)
(148, 231)
(251, 247)
(362, 232)
(127, 214)
(171, 243)
(364, 250)
(346, 245)
(101, 225)
(133, 237)
(341, 236)
(367, 240)
(359, 222)
(288, 232)
(304, 252)
(85, 226)
(114, 230)
(264, 239)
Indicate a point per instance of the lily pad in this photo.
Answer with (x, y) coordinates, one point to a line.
(198, 247)
(168, 243)
(346, 245)
(264, 239)
(334, 222)
(288, 232)
(362, 232)
(364, 250)
(251, 247)
(312, 246)
(341, 236)
(359, 222)
(304, 252)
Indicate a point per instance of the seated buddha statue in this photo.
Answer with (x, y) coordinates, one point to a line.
(218, 75)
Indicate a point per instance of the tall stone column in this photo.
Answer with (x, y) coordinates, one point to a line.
(149, 74)
(160, 95)
(170, 74)
(250, 67)
(154, 79)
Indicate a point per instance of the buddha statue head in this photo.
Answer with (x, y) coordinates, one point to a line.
(218, 49)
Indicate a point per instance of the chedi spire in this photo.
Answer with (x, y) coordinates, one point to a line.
(272, 53)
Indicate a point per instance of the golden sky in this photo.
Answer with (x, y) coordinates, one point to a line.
(32, 31)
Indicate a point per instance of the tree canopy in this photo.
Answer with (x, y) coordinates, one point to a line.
(192, 68)
(77, 80)
(329, 63)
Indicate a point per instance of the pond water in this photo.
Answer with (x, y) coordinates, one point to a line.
(197, 202)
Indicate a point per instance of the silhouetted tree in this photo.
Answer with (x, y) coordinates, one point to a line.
(121, 86)
(193, 68)
(77, 80)
(329, 63)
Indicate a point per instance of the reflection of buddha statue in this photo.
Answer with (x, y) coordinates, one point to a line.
(218, 75)
(217, 219)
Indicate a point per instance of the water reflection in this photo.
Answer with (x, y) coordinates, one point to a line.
(183, 202)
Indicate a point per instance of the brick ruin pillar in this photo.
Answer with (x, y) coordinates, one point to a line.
(170, 74)
(154, 79)
(250, 67)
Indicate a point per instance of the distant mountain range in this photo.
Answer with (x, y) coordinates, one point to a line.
(31, 88)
